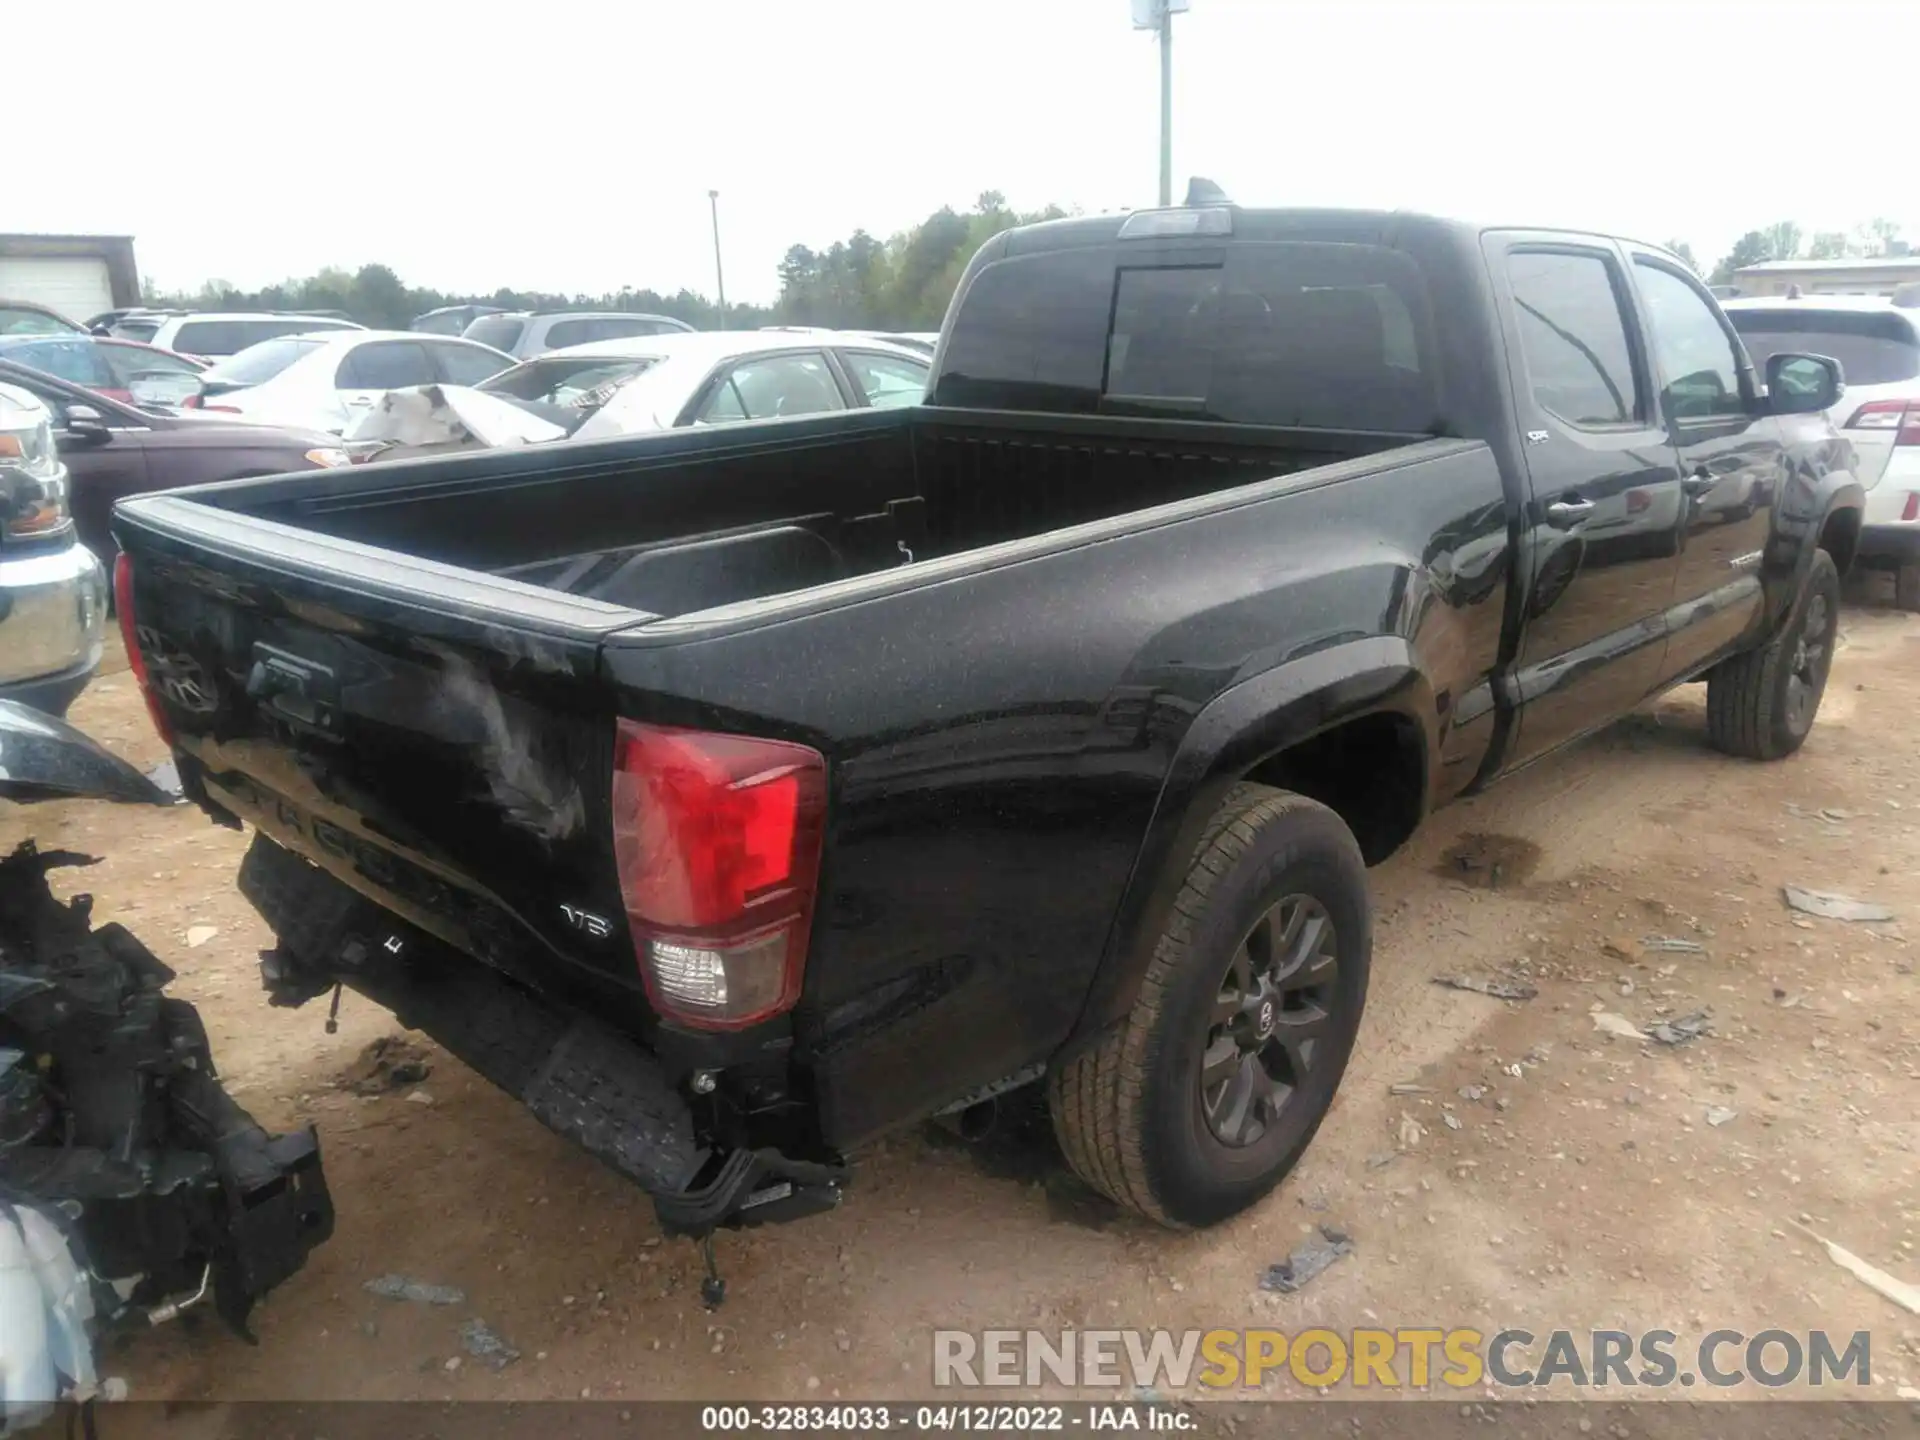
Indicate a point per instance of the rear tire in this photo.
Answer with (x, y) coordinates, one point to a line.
(1761, 705)
(1906, 586)
(1207, 1094)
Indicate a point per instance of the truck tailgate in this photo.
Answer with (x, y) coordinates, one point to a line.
(431, 735)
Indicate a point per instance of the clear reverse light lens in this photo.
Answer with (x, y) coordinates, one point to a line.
(1149, 224)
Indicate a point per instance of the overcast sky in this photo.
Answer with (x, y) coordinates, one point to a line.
(570, 147)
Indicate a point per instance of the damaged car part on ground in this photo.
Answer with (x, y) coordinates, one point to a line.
(133, 1187)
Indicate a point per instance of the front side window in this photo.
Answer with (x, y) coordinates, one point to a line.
(888, 382)
(466, 364)
(1574, 337)
(1699, 367)
(385, 365)
(590, 328)
(772, 387)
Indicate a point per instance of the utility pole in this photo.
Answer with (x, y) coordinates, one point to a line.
(1157, 16)
(719, 275)
(1166, 104)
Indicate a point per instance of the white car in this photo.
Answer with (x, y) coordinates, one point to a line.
(324, 380)
(214, 336)
(1878, 346)
(658, 382)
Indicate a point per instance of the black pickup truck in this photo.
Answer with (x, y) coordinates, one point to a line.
(733, 796)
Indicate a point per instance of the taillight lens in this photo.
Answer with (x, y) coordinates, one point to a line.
(1900, 416)
(130, 636)
(1911, 510)
(717, 839)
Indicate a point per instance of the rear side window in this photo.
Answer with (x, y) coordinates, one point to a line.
(1574, 337)
(588, 329)
(1310, 334)
(887, 382)
(1873, 348)
(502, 332)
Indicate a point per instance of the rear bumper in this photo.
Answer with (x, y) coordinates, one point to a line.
(1894, 543)
(52, 612)
(578, 1077)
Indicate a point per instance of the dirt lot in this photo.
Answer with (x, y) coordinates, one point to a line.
(1583, 1187)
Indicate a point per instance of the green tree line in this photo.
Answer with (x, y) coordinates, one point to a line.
(860, 283)
(1786, 240)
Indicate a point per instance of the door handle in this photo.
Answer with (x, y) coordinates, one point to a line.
(1699, 482)
(1565, 514)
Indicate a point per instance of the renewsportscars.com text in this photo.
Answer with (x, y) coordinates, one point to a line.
(1415, 1358)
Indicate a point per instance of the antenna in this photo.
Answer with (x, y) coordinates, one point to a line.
(1202, 191)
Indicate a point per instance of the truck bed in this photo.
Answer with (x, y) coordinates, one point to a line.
(671, 524)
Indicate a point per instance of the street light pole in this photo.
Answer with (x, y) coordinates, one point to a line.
(719, 275)
(1157, 16)
(1166, 104)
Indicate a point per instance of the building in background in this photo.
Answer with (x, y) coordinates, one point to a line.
(1880, 275)
(78, 275)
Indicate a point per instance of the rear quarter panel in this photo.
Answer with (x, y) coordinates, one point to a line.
(1001, 736)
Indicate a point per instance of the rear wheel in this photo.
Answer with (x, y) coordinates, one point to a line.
(1761, 705)
(1203, 1099)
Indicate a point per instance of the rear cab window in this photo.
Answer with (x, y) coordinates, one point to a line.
(1873, 347)
(580, 385)
(230, 337)
(1303, 333)
(258, 364)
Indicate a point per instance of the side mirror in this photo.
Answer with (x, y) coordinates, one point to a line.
(1803, 384)
(84, 425)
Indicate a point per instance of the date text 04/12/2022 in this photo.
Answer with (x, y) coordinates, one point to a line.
(985, 1419)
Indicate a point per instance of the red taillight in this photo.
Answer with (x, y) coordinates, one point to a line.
(1637, 501)
(1911, 511)
(717, 840)
(136, 661)
(192, 402)
(1900, 416)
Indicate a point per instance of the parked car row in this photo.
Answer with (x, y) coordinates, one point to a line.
(1878, 346)
(660, 382)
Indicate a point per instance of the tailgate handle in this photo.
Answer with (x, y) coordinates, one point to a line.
(297, 690)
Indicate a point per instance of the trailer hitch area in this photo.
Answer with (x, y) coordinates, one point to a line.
(748, 1188)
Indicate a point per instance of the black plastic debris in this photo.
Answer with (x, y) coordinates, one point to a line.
(1308, 1261)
